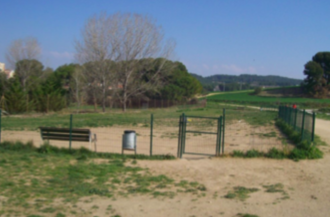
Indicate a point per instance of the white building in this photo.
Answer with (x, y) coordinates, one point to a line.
(2, 67)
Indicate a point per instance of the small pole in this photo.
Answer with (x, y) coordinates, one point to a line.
(151, 131)
(313, 126)
(295, 119)
(184, 134)
(70, 131)
(217, 151)
(0, 123)
(180, 137)
(302, 125)
(223, 130)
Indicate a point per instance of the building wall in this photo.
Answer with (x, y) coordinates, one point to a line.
(2, 67)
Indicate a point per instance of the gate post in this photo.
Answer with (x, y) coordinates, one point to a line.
(217, 146)
(303, 125)
(151, 131)
(184, 118)
(223, 130)
(180, 138)
(313, 127)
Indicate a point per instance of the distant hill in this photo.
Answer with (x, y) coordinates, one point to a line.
(244, 81)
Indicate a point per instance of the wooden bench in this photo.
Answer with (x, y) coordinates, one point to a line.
(63, 134)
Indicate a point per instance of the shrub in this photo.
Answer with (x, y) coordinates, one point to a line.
(275, 154)
(253, 153)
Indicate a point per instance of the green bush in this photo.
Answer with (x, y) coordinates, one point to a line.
(275, 154)
(253, 153)
(303, 149)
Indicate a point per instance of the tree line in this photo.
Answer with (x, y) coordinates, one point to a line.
(45, 90)
(119, 57)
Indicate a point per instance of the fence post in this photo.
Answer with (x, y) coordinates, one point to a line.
(303, 125)
(0, 123)
(295, 119)
(184, 134)
(217, 146)
(70, 131)
(220, 132)
(180, 137)
(151, 131)
(313, 126)
(223, 130)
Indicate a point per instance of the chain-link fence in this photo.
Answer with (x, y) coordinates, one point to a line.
(300, 120)
(243, 129)
(252, 129)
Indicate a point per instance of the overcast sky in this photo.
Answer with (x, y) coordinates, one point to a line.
(233, 37)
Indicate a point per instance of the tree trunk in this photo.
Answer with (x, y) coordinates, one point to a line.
(103, 100)
(95, 103)
(124, 102)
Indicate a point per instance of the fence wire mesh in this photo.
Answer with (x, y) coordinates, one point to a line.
(300, 120)
(245, 129)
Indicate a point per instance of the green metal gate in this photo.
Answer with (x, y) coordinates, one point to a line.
(184, 130)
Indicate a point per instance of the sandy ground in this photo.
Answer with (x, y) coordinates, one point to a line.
(306, 183)
(238, 136)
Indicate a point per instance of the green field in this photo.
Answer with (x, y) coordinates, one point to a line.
(162, 117)
(247, 98)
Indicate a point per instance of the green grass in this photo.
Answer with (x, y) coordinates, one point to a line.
(38, 178)
(139, 118)
(277, 188)
(245, 215)
(240, 193)
(247, 98)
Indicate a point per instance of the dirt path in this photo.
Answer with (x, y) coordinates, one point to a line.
(305, 192)
(322, 129)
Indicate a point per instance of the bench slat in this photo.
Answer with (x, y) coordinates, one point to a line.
(66, 138)
(64, 134)
(64, 130)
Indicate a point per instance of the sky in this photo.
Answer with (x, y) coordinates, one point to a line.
(231, 37)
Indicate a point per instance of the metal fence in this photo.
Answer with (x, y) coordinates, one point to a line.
(192, 140)
(300, 120)
(161, 133)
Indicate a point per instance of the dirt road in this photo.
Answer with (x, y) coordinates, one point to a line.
(304, 187)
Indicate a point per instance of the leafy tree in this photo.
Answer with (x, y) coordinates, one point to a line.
(317, 71)
(178, 84)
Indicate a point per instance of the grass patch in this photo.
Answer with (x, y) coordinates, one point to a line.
(277, 188)
(81, 154)
(304, 149)
(240, 193)
(245, 215)
(45, 174)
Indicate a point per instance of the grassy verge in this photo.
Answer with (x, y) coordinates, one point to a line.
(303, 149)
(80, 153)
(48, 181)
(141, 118)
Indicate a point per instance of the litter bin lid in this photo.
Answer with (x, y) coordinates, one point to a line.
(129, 131)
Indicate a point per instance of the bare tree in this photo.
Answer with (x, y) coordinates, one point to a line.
(142, 50)
(123, 48)
(77, 86)
(95, 51)
(23, 49)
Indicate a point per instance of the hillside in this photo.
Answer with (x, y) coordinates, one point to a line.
(244, 81)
